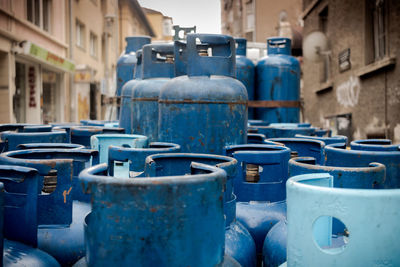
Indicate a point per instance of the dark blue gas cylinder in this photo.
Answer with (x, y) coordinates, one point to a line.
(283, 131)
(255, 138)
(304, 148)
(65, 127)
(36, 129)
(338, 155)
(49, 146)
(374, 145)
(245, 70)
(175, 219)
(127, 61)
(206, 109)
(278, 82)
(259, 185)
(135, 157)
(62, 205)
(125, 117)
(275, 245)
(327, 140)
(18, 218)
(13, 139)
(158, 69)
(82, 134)
(238, 242)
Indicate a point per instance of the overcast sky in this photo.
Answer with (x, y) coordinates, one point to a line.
(204, 14)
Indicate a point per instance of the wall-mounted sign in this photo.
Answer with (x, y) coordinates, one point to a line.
(344, 60)
(32, 86)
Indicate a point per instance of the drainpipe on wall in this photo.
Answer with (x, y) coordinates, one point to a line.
(72, 108)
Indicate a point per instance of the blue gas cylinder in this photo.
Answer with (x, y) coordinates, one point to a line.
(18, 218)
(125, 115)
(245, 70)
(206, 109)
(238, 242)
(327, 140)
(278, 82)
(62, 205)
(374, 145)
(135, 157)
(363, 211)
(158, 69)
(127, 61)
(13, 139)
(278, 131)
(259, 185)
(302, 147)
(175, 219)
(82, 134)
(360, 155)
(49, 146)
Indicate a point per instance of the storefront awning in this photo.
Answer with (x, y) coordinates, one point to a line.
(44, 56)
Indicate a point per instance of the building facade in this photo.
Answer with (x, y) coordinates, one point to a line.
(257, 20)
(355, 88)
(162, 25)
(34, 61)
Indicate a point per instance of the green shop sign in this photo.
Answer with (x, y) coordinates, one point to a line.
(50, 58)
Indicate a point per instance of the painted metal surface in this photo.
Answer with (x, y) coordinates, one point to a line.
(65, 127)
(238, 242)
(374, 145)
(254, 138)
(157, 70)
(371, 177)
(245, 70)
(82, 134)
(327, 140)
(19, 218)
(49, 145)
(210, 106)
(101, 143)
(13, 139)
(62, 208)
(363, 211)
(125, 117)
(338, 155)
(135, 158)
(277, 132)
(302, 147)
(278, 79)
(175, 217)
(259, 185)
(36, 128)
(127, 61)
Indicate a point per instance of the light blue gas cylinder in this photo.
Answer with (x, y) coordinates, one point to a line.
(245, 70)
(370, 177)
(127, 61)
(158, 69)
(175, 219)
(18, 218)
(360, 155)
(206, 109)
(259, 185)
(363, 211)
(61, 204)
(278, 82)
(125, 117)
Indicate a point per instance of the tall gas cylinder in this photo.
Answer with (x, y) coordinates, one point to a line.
(125, 114)
(158, 69)
(245, 70)
(127, 61)
(206, 109)
(278, 83)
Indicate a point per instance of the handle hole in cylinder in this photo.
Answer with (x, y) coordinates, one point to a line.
(330, 234)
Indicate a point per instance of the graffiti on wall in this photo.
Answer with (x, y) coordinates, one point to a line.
(347, 93)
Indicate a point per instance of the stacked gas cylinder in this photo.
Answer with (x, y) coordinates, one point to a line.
(183, 178)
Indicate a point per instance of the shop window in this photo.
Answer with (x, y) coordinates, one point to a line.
(250, 18)
(80, 34)
(93, 44)
(39, 13)
(376, 30)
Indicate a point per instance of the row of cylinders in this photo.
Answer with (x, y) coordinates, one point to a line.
(195, 208)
